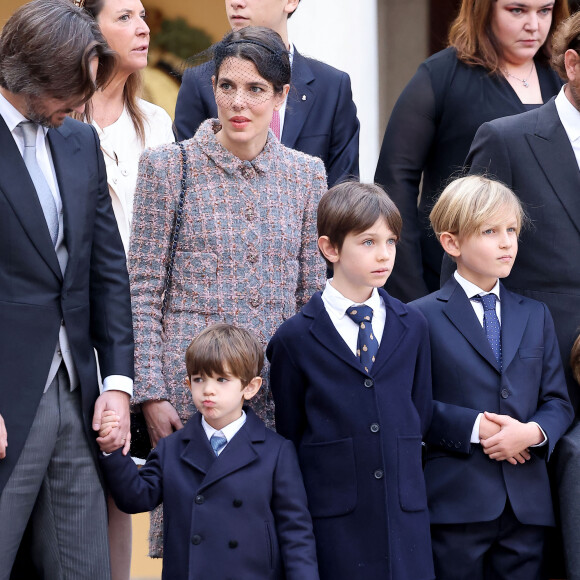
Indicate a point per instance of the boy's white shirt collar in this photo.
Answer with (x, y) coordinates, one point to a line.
(472, 289)
(228, 431)
(339, 303)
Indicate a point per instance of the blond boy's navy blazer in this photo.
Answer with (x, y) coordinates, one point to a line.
(358, 437)
(463, 484)
(240, 515)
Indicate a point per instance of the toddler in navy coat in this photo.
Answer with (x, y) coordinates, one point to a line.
(233, 498)
(350, 374)
(500, 398)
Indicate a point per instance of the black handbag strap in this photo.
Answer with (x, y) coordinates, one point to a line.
(174, 233)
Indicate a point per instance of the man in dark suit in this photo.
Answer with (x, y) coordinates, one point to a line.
(319, 116)
(537, 154)
(63, 293)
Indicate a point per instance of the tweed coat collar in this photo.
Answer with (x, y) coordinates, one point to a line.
(224, 159)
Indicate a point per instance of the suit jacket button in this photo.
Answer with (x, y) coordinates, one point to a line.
(505, 393)
(196, 540)
(368, 383)
(233, 544)
(375, 427)
(238, 503)
(378, 474)
(199, 499)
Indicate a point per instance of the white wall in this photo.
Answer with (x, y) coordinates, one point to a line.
(343, 33)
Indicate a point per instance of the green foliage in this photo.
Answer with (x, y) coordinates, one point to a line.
(179, 38)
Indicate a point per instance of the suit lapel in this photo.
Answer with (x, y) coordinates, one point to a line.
(20, 192)
(554, 154)
(198, 452)
(393, 333)
(460, 313)
(239, 452)
(68, 164)
(300, 100)
(514, 319)
(326, 334)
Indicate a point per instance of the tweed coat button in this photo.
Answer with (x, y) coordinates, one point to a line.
(375, 427)
(255, 301)
(505, 393)
(368, 383)
(238, 503)
(199, 499)
(233, 544)
(252, 257)
(379, 473)
(196, 540)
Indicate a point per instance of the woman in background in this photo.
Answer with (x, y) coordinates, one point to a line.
(126, 125)
(497, 64)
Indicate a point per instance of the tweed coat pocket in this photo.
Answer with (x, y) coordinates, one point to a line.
(195, 286)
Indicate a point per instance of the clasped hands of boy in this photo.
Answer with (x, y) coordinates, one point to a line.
(504, 438)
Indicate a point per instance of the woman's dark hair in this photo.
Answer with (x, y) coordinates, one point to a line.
(133, 84)
(46, 49)
(261, 46)
(472, 37)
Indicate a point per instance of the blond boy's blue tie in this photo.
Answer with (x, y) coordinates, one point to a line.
(367, 345)
(491, 324)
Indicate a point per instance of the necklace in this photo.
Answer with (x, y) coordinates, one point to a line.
(523, 81)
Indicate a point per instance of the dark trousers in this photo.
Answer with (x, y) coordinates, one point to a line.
(502, 549)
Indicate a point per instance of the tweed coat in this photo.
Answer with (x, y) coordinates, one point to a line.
(241, 515)
(247, 252)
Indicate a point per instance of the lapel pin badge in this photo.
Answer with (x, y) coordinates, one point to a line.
(303, 97)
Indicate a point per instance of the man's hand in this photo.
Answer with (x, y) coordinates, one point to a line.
(161, 418)
(3, 438)
(512, 441)
(118, 402)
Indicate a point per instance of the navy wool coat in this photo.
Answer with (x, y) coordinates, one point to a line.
(358, 437)
(241, 516)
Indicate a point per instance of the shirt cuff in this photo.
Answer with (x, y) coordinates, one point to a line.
(475, 430)
(118, 383)
(544, 435)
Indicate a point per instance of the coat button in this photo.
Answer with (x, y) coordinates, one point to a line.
(375, 427)
(368, 383)
(255, 301)
(233, 544)
(196, 540)
(378, 474)
(505, 393)
(199, 499)
(238, 503)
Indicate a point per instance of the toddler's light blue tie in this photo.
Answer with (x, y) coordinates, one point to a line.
(218, 442)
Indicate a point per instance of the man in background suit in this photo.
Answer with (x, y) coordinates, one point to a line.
(537, 154)
(63, 293)
(319, 116)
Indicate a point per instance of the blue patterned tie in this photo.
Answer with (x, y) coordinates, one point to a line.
(367, 345)
(491, 323)
(218, 442)
(28, 131)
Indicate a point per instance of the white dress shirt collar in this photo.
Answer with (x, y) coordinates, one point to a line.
(569, 116)
(473, 290)
(339, 304)
(228, 431)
